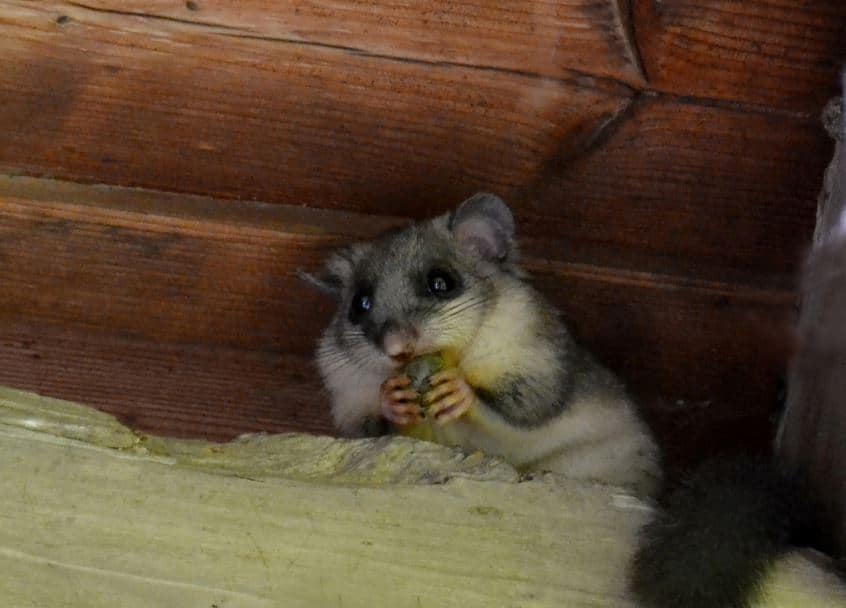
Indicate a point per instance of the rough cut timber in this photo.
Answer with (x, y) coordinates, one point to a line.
(94, 515)
(662, 158)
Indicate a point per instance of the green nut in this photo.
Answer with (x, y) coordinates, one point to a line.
(421, 369)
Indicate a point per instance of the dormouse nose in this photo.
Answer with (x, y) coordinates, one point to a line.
(398, 341)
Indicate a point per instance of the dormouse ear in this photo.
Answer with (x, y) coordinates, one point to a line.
(322, 283)
(484, 224)
(337, 272)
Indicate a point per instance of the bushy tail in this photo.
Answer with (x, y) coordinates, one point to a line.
(715, 536)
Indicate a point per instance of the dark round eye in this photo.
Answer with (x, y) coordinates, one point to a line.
(440, 282)
(362, 302)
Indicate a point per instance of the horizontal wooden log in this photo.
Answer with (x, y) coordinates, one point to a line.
(242, 117)
(192, 269)
(160, 103)
(711, 185)
(139, 530)
(537, 37)
(132, 300)
(780, 55)
(165, 267)
(177, 390)
(94, 515)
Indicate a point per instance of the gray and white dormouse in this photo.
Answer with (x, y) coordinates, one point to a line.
(516, 385)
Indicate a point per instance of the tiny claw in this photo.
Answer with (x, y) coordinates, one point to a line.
(440, 391)
(450, 414)
(404, 395)
(398, 403)
(451, 398)
(444, 376)
(396, 382)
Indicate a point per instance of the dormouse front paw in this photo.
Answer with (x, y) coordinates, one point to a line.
(398, 401)
(450, 396)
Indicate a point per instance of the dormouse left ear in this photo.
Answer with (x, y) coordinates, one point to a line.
(327, 285)
(484, 225)
(337, 272)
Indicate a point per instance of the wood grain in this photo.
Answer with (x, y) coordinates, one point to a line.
(334, 129)
(172, 106)
(149, 282)
(89, 514)
(778, 54)
(115, 527)
(537, 37)
(178, 390)
(707, 364)
(167, 267)
(706, 184)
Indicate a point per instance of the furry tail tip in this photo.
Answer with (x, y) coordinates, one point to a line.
(714, 537)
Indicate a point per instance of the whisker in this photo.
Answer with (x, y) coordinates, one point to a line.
(454, 312)
(464, 304)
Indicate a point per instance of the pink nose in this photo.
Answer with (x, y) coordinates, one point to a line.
(399, 343)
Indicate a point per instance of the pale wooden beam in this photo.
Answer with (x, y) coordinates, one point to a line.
(95, 515)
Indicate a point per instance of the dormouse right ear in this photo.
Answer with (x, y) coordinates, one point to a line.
(484, 225)
(337, 272)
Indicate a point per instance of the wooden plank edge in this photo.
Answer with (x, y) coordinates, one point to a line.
(544, 530)
(628, 78)
(293, 456)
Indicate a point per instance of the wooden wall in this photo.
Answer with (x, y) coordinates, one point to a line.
(663, 159)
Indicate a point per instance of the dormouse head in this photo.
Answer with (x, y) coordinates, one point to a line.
(421, 289)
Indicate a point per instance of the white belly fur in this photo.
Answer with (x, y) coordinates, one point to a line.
(597, 437)
(590, 440)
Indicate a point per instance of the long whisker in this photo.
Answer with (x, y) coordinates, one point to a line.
(464, 305)
(451, 314)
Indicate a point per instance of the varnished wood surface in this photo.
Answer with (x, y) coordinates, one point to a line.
(162, 104)
(706, 184)
(544, 38)
(770, 53)
(165, 103)
(782, 55)
(179, 390)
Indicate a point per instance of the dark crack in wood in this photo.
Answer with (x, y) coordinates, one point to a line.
(153, 17)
